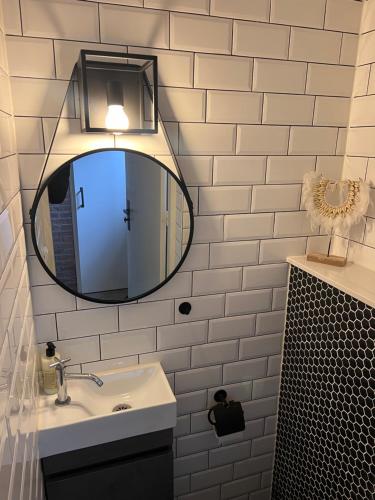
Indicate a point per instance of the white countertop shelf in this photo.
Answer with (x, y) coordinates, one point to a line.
(357, 281)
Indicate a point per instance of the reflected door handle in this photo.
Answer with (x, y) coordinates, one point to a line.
(127, 214)
(80, 192)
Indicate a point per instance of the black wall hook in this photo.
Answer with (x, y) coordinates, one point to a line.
(184, 308)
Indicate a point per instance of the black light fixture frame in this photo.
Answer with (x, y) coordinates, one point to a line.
(83, 85)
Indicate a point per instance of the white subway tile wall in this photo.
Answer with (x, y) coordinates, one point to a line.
(20, 472)
(256, 93)
(360, 157)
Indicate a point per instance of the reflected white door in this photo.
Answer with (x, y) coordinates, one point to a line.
(98, 185)
(145, 189)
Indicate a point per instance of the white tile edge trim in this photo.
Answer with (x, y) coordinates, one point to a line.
(355, 280)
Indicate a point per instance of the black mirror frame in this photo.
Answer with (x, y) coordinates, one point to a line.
(40, 192)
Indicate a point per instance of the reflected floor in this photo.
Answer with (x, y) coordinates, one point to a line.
(119, 295)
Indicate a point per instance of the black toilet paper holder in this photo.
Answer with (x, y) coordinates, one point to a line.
(229, 417)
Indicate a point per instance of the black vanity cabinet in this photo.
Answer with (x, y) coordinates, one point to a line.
(138, 468)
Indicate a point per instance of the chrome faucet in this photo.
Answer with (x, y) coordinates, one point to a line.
(61, 377)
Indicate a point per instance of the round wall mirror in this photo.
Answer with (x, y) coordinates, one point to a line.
(112, 225)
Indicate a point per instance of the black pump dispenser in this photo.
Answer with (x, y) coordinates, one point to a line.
(51, 350)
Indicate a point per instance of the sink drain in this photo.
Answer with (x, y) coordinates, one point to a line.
(121, 407)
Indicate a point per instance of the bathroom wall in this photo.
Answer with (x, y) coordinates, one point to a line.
(323, 374)
(360, 160)
(255, 94)
(20, 476)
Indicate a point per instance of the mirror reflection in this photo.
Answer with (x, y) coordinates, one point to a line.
(112, 225)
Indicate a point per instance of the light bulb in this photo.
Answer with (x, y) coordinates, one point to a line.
(116, 119)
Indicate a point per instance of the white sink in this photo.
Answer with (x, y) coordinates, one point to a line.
(89, 419)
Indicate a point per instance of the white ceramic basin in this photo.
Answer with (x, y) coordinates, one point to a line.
(89, 418)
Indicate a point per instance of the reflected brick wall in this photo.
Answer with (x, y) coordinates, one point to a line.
(63, 242)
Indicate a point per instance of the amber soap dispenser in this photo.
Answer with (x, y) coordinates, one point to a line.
(49, 374)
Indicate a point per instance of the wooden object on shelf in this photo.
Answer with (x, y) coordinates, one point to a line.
(331, 260)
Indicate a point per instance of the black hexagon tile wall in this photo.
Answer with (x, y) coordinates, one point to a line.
(325, 437)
